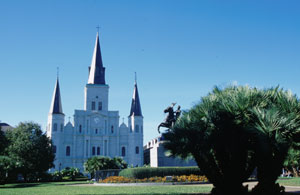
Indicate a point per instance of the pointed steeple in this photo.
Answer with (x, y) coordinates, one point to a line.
(135, 103)
(56, 106)
(96, 70)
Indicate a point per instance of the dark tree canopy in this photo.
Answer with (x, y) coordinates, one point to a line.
(30, 149)
(3, 142)
(233, 130)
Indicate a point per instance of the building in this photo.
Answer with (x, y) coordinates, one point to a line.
(4, 127)
(95, 130)
(155, 155)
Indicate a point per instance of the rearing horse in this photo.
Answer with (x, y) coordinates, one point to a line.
(170, 119)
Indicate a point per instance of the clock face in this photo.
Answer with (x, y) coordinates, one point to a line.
(97, 120)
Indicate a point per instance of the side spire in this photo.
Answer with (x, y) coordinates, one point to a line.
(96, 70)
(135, 103)
(56, 106)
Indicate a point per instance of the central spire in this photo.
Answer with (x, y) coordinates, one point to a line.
(96, 70)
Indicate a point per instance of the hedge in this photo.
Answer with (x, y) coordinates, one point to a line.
(147, 172)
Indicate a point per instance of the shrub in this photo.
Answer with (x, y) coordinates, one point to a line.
(147, 172)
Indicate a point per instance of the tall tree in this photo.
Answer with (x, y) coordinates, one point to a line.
(31, 150)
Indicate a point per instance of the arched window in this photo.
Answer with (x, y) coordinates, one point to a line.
(55, 127)
(123, 151)
(137, 150)
(98, 150)
(93, 105)
(68, 151)
(54, 149)
(80, 128)
(137, 129)
(142, 129)
(99, 105)
(61, 127)
(96, 131)
(112, 129)
(93, 151)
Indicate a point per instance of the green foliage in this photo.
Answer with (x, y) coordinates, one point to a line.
(6, 165)
(292, 161)
(72, 173)
(67, 174)
(147, 172)
(3, 142)
(30, 149)
(102, 163)
(231, 131)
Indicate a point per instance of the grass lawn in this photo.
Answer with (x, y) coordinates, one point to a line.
(289, 181)
(54, 188)
(69, 188)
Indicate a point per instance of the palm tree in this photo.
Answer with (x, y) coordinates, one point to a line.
(216, 134)
(231, 131)
(277, 128)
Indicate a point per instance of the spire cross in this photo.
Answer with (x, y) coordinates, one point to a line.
(135, 77)
(57, 71)
(123, 119)
(98, 27)
(69, 119)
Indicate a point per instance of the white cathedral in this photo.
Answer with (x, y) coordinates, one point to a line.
(96, 130)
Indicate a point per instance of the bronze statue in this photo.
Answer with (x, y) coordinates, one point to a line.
(171, 117)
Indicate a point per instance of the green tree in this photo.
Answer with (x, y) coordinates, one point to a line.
(234, 130)
(30, 149)
(3, 142)
(102, 163)
(6, 165)
(292, 161)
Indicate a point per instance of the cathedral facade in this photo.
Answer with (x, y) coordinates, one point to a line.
(96, 130)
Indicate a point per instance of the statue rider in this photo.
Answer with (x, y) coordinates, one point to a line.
(171, 116)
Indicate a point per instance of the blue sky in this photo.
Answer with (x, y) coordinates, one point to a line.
(179, 49)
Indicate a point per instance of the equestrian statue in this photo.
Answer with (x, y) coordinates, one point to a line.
(171, 117)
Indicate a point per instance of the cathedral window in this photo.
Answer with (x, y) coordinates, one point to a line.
(55, 127)
(61, 127)
(137, 150)
(93, 151)
(100, 106)
(87, 126)
(93, 105)
(98, 150)
(142, 129)
(80, 128)
(87, 147)
(54, 149)
(137, 129)
(123, 151)
(112, 129)
(68, 151)
(96, 131)
(105, 148)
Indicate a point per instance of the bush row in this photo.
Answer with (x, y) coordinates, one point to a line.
(147, 172)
